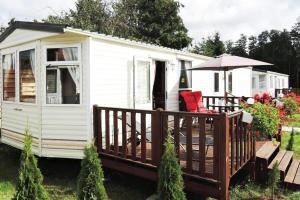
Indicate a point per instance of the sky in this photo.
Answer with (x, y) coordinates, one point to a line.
(202, 17)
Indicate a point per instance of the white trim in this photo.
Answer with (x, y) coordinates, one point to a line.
(134, 43)
(45, 63)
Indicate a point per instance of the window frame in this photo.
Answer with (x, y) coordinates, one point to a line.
(189, 74)
(35, 76)
(216, 82)
(230, 82)
(61, 63)
(16, 50)
(16, 71)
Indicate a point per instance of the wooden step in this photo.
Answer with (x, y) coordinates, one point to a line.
(284, 159)
(267, 150)
(293, 175)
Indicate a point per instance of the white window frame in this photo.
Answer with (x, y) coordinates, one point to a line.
(2, 82)
(62, 63)
(16, 51)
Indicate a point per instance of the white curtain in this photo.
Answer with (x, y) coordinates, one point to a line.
(32, 61)
(70, 53)
(75, 74)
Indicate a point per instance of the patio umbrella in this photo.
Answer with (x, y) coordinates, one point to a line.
(227, 62)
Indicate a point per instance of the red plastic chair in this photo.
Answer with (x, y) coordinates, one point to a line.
(194, 102)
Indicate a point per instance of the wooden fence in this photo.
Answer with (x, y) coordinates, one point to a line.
(211, 148)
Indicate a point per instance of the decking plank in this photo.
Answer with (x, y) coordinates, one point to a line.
(286, 160)
(292, 172)
(297, 177)
(266, 151)
(278, 158)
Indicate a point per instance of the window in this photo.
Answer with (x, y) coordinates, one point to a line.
(9, 77)
(142, 90)
(271, 81)
(282, 83)
(27, 76)
(63, 79)
(253, 83)
(185, 74)
(62, 54)
(262, 81)
(216, 82)
(230, 82)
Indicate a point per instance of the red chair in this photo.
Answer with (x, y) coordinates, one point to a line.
(194, 102)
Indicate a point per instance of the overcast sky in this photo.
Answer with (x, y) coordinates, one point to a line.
(202, 17)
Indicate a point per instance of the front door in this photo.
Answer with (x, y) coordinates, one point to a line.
(159, 86)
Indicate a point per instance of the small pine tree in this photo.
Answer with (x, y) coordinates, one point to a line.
(290, 145)
(30, 180)
(90, 181)
(170, 185)
(274, 178)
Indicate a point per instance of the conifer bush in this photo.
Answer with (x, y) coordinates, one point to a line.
(90, 181)
(29, 186)
(170, 184)
(274, 179)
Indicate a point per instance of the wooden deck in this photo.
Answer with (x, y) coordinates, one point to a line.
(211, 147)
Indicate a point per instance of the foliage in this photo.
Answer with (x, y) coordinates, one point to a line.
(156, 22)
(274, 178)
(170, 184)
(90, 181)
(92, 15)
(290, 144)
(291, 104)
(265, 118)
(211, 46)
(240, 47)
(30, 177)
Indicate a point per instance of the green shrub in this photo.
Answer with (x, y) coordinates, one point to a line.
(290, 105)
(170, 184)
(90, 181)
(274, 178)
(265, 118)
(30, 179)
(290, 145)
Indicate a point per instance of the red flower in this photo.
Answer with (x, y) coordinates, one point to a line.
(257, 97)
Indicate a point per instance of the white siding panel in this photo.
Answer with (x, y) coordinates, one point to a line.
(17, 117)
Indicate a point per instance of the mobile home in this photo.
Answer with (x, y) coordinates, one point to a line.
(240, 82)
(52, 75)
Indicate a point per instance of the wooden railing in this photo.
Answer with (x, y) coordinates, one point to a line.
(211, 147)
(212, 102)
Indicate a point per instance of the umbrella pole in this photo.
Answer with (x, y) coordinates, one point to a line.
(225, 93)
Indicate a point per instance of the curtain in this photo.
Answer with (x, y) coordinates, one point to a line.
(70, 53)
(32, 61)
(75, 74)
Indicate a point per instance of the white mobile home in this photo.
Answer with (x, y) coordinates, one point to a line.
(52, 75)
(240, 82)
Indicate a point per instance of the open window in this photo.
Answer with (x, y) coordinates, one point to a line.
(27, 85)
(9, 77)
(63, 76)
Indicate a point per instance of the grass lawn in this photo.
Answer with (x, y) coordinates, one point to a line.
(295, 121)
(296, 145)
(60, 178)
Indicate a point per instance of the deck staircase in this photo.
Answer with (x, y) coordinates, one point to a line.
(266, 158)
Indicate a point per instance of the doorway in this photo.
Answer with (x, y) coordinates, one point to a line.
(159, 86)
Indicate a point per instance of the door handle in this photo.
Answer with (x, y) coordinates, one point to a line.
(18, 109)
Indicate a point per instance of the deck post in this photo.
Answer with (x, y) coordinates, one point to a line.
(156, 137)
(95, 122)
(224, 157)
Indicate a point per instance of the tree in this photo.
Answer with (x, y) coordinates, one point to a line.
(90, 181)
(156, 22)
(240, 47)
(92, 15)
(211, 46)
(228, 46)
(170, 183)
(30, 179)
